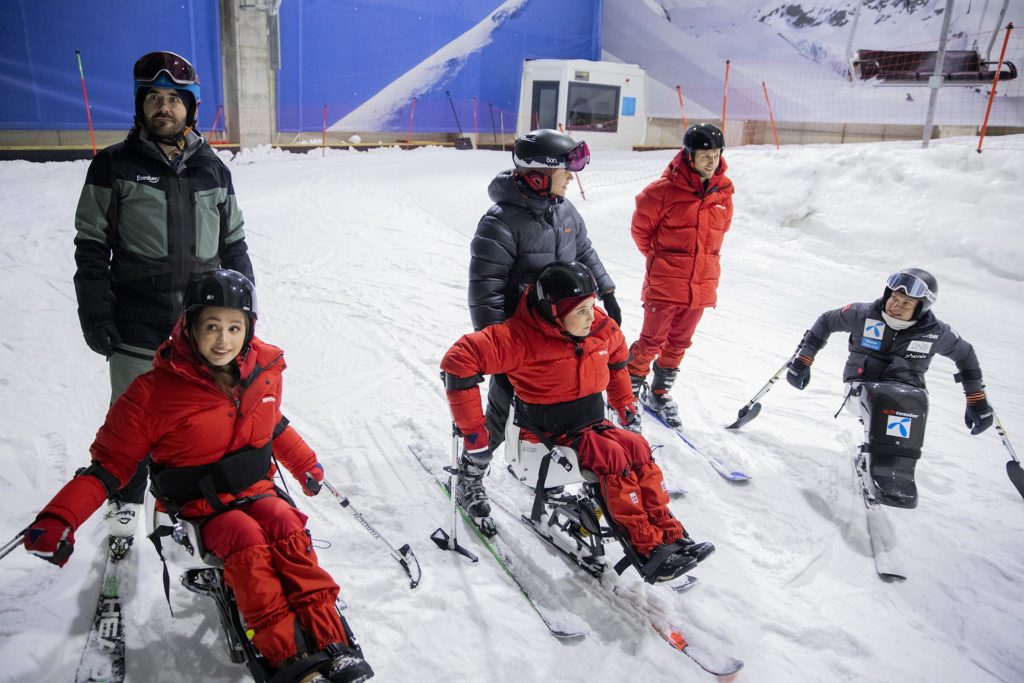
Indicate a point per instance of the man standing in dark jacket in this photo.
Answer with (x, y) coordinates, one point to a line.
(155, 209)
(530, 226)
(892, 342)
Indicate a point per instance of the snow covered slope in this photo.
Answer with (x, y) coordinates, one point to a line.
(361, 262)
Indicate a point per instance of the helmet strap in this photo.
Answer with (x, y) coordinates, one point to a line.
(538, 182)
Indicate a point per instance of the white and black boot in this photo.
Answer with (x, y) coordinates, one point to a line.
(122, 520)
(469, 488)
(656, 398)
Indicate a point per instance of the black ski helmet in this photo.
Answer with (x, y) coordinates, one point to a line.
(703, 136)
(560, 281)
(222, 287)
(166, 70)
(916, 283)
(547, 148)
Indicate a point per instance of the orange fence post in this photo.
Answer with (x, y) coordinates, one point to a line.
(412, 110)
(323, 139)
(88, 109)
(679, 91)
(213, 126)
(725, 94)
(476, 130)
(770, 116)
(995, 82)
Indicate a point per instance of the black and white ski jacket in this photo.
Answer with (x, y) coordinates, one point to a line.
(879, 353)
(144, 226)
(515, 240)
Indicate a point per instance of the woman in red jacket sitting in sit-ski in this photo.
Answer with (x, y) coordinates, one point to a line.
(209, 415)
(560, 353)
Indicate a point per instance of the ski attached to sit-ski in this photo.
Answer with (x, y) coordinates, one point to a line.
(103, 656)
(562, 624)
(727, 472)
(888, 560)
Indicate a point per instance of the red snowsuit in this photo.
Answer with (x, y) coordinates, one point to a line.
(679, 227)
(178, 414)
(547, 367)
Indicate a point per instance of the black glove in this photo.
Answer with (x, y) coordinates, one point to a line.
(978, 416)
(611, 306)
(103, 339)
(799, 373)
(314, 480)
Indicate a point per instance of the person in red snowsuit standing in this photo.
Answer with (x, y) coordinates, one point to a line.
(209, 414)
(679, 225)
(560, 353)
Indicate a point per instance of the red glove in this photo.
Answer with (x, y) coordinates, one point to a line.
(314, 477)
(50, 538)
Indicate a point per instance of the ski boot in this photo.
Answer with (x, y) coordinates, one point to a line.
(347, 664)
(656, 397)
(122, 519)
(470, 494)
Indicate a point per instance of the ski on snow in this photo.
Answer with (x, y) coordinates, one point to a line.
(561, 624)
(614, 596)
(888, 562)
(103, 657)
(727, 472)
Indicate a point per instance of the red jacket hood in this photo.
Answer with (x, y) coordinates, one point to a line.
(682, 173)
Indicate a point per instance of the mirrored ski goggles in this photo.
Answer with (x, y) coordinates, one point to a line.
(911, 285)
(177, 68)
(577, 158)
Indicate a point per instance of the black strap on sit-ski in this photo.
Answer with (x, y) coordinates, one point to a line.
(235, 472)
(542, 473)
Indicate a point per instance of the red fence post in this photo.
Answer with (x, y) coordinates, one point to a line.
(679, 91)
(770, 116)
(725, 94)
(995, 82)
(88, 109)
(323, 139)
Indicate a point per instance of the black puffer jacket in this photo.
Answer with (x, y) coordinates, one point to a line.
(144, 226)
(879, 353)
(515, 240)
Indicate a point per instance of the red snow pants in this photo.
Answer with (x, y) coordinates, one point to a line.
(666, 333)
(631, 483)
(270, 564)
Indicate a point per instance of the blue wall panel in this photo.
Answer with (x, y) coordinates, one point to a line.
(342, 54)
(39, 75)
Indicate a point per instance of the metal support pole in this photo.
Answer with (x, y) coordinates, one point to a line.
(999, 27)
(853, 30)
(935, 82)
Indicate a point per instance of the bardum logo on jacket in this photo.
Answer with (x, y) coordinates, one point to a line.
(872, 336)
(147, 178)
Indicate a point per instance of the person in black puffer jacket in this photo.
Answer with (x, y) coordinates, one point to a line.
(530, 225)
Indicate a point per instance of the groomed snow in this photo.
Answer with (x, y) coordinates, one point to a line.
(361, 263)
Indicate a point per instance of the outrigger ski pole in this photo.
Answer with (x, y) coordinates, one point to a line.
(1013, 469)
(12, 544)
(404, 555)
(444, 540)
(753, 408)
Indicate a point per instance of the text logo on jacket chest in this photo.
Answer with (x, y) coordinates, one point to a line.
(918, 349)
(268, 399)
(147, 178)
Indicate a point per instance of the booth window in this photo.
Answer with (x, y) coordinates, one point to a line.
(544, 109)
(593, 107)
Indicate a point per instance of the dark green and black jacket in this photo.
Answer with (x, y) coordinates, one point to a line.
(145, 225)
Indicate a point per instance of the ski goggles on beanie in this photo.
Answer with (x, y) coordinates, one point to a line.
(577, 158)
(149, 66)
(911, 285)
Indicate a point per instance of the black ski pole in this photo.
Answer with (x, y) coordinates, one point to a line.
(463, 142)
(404, 555)
(443, 539)
(753, 408)
(12, 544)
(1013, 469)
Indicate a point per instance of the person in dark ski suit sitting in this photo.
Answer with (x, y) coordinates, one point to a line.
(560, 352)
(530, 225)
(209, 414)
(892, 342)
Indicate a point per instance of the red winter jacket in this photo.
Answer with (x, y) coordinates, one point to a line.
(543, 364)
(177, 413)
(679, 228)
